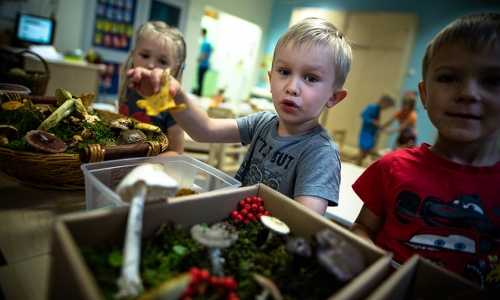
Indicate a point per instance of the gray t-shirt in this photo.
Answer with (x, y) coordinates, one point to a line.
(302, 165)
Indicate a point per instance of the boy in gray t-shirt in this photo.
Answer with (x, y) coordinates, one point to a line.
(297, 165)
(289, 151)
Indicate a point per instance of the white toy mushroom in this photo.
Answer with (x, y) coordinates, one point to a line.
(145, 182)
(216, 237)
(275, 226)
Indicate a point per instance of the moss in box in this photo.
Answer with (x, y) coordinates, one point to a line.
(172, 251)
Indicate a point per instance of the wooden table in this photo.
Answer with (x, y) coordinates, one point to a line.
(26, 217)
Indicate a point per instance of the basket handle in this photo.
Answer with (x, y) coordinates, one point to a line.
(45, 65)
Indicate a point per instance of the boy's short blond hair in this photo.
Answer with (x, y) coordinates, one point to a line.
(316, 31)
(476, 32)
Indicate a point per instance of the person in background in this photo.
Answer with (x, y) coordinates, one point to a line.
(160, 46)
(371, 124)
(289, 149)
(442, 201)
(407, 121)
(218, 98)
(206, 50)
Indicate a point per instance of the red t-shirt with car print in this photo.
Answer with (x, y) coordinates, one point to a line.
(441, 210)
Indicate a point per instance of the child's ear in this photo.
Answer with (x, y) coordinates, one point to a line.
(337, 96)
(423, 93)
(269, 76)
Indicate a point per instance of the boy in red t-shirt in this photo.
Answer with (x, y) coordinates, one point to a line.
(443, 201)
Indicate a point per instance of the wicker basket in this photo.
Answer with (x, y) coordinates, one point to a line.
(56, 171)
(62, 170)
(36, 81)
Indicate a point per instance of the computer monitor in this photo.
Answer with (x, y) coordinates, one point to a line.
(34, 30)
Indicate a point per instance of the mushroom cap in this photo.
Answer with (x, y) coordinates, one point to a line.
(275, 225)
(12, 105)
(9, 131)
(131, 136)
(122, 123)
(45, 141)
(219, 235)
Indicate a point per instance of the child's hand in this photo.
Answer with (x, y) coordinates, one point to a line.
(148, 82)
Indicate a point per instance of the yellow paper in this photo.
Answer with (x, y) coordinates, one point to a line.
(161, 101)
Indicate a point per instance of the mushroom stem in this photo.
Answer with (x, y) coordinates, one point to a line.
(217, 261)
(60, 113)
(270, 236)
(130, 283)
(263, 295)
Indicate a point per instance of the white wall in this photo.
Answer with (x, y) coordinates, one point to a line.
(69, 14)
(256, 11)
(9, 9)
(72, 14)
(70, 24)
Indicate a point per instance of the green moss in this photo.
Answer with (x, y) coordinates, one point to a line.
(172, 251)
(18, 145)
(23, 120)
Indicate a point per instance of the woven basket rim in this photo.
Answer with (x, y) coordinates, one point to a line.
(31, 153)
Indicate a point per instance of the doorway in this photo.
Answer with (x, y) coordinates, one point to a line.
(233, 62)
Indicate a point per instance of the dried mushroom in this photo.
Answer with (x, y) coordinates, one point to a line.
(122, 123)
(60, 113)
(12, 105)
(131, 136)
(45, 142)
(82, 111)
(62, 95)
(147, 127)
(8, 133)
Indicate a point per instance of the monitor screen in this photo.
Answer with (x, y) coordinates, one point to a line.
(33, 29)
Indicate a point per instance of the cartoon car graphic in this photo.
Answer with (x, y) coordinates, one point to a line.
(465, 211)
(452, 242)
(462, 214)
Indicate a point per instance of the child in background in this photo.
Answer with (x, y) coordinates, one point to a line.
(288, 151)
(156, 46)
(443, 201)
(371, 124)
(407, 121)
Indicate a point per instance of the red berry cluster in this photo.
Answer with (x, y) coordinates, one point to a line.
(249, 210)
(201, 280)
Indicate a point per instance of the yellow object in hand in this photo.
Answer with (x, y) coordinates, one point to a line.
(160, 101)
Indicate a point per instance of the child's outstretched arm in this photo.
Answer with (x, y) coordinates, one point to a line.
(193, 120)
(367, 224)
(318, 205)
(175, 136)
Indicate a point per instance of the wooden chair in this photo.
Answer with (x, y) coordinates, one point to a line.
(225, 156)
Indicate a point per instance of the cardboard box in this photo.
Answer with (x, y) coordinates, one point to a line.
(419, 278)
(72, 279)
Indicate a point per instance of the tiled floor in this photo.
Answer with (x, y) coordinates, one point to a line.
(26, 216)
